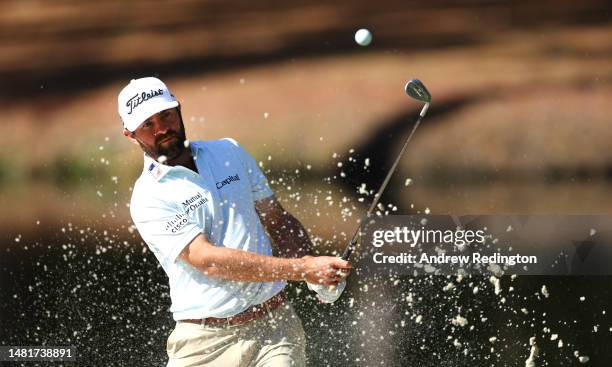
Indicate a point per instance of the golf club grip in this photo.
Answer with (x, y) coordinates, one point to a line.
(348, 251)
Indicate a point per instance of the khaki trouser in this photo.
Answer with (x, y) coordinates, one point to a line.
(276, 339)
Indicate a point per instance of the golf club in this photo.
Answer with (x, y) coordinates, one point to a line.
(415, 89)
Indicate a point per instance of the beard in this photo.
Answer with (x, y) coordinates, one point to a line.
(171, 148)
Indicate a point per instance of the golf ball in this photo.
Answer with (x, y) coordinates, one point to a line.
(363, 37)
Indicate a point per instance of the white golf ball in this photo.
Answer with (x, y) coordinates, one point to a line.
(363, 37)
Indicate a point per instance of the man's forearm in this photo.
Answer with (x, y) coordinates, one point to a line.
(226, 263)
(233, 264)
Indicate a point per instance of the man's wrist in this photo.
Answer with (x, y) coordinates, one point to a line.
(299, 268)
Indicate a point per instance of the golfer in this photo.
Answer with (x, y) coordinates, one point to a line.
(207, 213)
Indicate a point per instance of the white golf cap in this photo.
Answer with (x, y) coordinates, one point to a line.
(141, 99)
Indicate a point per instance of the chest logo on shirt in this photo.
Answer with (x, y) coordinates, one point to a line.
(227, 181)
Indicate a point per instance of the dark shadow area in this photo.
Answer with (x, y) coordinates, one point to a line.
(382, 147)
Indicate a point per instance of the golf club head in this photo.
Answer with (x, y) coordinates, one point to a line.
(415, 89)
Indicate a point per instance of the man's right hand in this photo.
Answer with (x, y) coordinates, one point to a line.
(325, 270)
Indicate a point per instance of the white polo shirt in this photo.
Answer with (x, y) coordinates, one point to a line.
(170, 206)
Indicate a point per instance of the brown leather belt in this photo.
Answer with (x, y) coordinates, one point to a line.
(245, 316)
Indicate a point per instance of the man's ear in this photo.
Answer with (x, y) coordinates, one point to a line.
(130, 135)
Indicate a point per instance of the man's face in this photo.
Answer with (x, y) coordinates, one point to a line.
(162, 134)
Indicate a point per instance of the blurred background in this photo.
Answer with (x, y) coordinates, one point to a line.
(519, 124)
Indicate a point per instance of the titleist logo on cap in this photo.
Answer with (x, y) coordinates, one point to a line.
(135, 101)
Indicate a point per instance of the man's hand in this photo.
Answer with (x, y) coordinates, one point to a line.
(325, 270)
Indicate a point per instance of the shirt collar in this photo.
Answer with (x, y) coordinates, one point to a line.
(158, 170)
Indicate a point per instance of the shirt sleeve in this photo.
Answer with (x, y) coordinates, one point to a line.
(259, 183)
(165, 228)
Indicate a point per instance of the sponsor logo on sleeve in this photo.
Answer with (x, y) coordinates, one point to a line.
(194, 203)
(176, 223)
(189, 205)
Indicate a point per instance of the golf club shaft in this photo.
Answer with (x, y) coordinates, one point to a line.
(348, 251)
